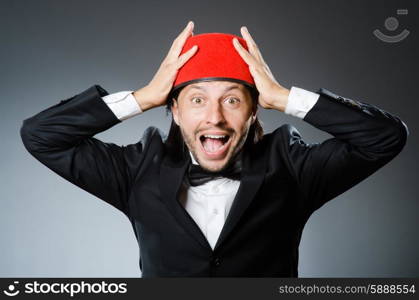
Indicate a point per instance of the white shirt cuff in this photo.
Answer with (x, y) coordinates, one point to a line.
(300, 102)
(123, 104)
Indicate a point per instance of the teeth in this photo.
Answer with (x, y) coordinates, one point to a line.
(214, 136)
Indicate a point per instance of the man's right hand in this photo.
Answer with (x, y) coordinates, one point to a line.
(156, 91)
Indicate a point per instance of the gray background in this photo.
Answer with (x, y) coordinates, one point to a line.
(51, 50)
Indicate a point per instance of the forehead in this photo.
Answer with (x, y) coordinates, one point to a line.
(214, 86)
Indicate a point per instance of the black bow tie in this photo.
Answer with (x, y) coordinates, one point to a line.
(196, 175)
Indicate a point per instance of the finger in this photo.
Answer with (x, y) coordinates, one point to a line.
(247, 57)
(186, 56)
(188, 29)
(251, 44)
(180, 40)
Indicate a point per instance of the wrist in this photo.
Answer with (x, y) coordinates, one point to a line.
(281, 99)
(141, 98)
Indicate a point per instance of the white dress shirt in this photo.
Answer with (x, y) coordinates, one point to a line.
(209, 204)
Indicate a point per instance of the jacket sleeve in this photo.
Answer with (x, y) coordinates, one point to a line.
(365, 138)
(61, 138)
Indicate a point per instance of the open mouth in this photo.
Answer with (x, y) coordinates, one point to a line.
(215, 144)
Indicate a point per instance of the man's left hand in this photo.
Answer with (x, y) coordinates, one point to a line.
(271, 94)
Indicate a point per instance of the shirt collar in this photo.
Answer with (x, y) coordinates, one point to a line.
(193, 159)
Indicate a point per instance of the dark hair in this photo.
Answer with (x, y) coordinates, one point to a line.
(175, 140)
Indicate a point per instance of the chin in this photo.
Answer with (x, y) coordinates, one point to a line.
(213, 166)
(210, 164)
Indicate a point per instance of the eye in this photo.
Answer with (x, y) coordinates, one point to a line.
(197, 100)
(232, 101)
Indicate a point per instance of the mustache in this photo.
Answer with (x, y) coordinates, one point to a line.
(229, 130)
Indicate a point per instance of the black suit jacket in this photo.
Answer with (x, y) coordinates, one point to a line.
(284, 181)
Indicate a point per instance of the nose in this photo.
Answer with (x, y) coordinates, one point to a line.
(215, 114)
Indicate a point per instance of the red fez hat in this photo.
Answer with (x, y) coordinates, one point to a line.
(215, 59)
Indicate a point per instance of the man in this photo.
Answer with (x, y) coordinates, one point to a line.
(216, 197)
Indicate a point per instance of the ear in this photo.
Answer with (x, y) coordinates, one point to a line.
(175, 111)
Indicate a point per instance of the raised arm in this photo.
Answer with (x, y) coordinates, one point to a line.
(62, 136)
(365, 139)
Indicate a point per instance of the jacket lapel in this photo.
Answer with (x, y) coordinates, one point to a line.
(172, 172)
(253, 171)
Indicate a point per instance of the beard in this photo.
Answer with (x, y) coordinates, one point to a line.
(232, 153)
